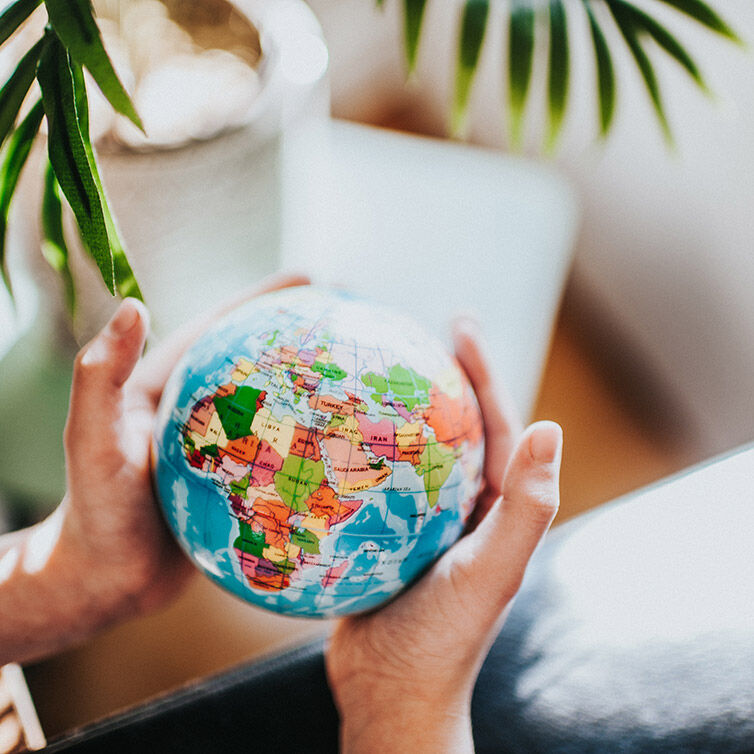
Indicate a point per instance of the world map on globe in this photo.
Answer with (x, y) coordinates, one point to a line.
(315, 452)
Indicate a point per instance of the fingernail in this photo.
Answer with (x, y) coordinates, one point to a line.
(546, 442)
(466, 324)
(124, 318)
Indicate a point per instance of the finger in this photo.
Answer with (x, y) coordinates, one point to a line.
(157, 365)
(502, 423)
(6, 700)
(100, 370)
(492, 559)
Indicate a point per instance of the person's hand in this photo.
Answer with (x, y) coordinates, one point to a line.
(402, 676)
(110, 509)
(105, 554)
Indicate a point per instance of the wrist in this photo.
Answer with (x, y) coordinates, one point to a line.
(385, 706)
(88, 570)
(47, 598)
(379, 714)
(406, 725)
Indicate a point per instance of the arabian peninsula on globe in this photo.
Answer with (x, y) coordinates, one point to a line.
(315, 452)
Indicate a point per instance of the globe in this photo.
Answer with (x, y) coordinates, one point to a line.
(314, 452)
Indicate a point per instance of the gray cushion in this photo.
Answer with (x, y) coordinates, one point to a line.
(635, 632)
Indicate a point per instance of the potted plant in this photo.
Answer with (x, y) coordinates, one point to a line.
(209, 180)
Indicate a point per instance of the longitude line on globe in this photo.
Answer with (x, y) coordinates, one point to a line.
(317, 395)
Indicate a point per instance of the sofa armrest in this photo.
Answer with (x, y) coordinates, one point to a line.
(281, 703)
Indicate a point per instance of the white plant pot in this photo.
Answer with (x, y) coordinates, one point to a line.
(205, 219)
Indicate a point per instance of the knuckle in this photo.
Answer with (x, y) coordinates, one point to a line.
(493, 592)
(461, 578)
(541, 507)
(83, 365)
(78, 362)
(142, 575)
(510, 588)
(135, 574)
(69, 435)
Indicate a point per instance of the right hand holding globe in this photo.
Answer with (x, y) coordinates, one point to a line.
(403, 676)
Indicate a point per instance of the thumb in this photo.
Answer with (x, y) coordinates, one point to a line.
(101, 369)
(498, 550)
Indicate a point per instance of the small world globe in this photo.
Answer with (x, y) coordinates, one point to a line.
(314, 452)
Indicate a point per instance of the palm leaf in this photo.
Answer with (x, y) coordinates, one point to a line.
(605, 72)
(125, 280)
(645, 23)
(559, 64)
(520, 57)
(54, 247)
(15, 155)
(413, 15)
(702, 13)
(74, 23)
(14, 15)
(69, 157)
(629, 32)
(473, 27)
(16, 88)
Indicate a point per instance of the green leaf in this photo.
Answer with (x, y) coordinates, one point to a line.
(702, 13)
(629, 33)
(16, 88)
(54, 247)
(74, 23)
(14, 15)
(473, 27)
(16, 153)
(125, 280)
(664, 38)
(81, 100)
(557, 80)
(69, 157)
(520, 57)
(605, 72)
(413, 15)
